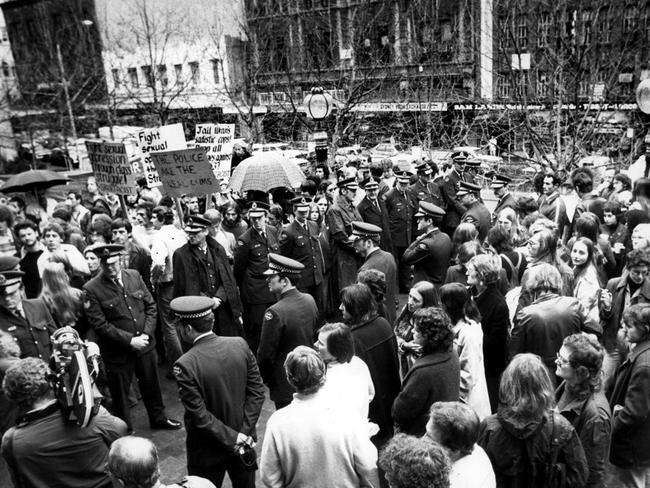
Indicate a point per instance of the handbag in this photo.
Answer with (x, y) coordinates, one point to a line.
(555, 472)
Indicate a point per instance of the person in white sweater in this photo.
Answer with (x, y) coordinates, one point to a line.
(312, 443)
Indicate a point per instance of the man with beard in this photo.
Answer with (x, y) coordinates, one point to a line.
(32, 248)
(501, 186)
(232, 221)
(201, 268)
(551, 204)
(339, 219)
(373, 210)
(430, 252)
(366, 238)
(251, 261)
(289, 323)
(299, 241)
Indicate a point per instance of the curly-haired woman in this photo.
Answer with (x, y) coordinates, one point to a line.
(434, 376)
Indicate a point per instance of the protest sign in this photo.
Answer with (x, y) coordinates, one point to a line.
(185, 172)
(165, 138)
(217, 139)
(111, 167)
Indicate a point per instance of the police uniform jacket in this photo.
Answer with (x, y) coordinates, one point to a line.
(401, 208)
(455, 209)
(378, 216)
(289, 323)
(117, 314)
(385, 262)
(251, 260)
(479, 214)
(429, 255)
(32, 333)
(193, 276)
(221, 389)
(339, 219)
(505, 201)
(303, 245)
(428, 193)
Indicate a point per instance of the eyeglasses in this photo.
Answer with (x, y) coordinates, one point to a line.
(560, 360)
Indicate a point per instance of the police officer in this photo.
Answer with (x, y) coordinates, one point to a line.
(122, 313)
(476, 213)
(401, 206)
(449, 187)
(27, 320)
(251, 260)
(366, 237)
(501, 186)
(222, 404)
(472, 168)
(339, 219)
(424, 189)
(299, 240)
(372, 209)
(289, 323)
(430, 253)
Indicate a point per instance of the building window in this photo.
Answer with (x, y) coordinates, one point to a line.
(133, 77)
(195, 72)
(629, 19)
(216, 67)
(522, 31)
(542, 85)
(587, 21)
(583, 88)
(147, 72)
(605, 26)
(162, 75)
(178, 72)
(544, 28)
(503, 87)
(116, 76)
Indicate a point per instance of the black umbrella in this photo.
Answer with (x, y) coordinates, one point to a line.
(32, 180)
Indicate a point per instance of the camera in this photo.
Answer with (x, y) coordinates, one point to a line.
(75, 365)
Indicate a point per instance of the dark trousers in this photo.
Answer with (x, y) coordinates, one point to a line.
(403, 271)
(240, 477)
(253, 317)
(318, 292)
(167, 320)
(119, 381)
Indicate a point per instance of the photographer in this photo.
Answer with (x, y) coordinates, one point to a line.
(133, 463)
(44, 450)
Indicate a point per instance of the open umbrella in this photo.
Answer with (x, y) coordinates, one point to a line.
(32, 180)
(266, 171)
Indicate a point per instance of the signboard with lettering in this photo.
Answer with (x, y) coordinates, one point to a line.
(217, 140)
(185, 172)
(111, 167)
(165, 138)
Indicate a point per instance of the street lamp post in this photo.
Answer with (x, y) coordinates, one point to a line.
(643, 101)
(68, 102)
(319, 105)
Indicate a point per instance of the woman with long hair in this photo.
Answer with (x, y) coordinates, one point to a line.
(64, 302)
(581, 401)
(374, 343)
(465, 232)
(457, 302)
(542, 248)
(508, 220)
(586, 284)
(525, 435)
(421, 295)
(434, 376)
(513, 262)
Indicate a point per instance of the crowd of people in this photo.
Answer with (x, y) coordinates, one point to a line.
(521, 356)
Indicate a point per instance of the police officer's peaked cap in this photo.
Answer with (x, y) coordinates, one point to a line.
(8, 279)
(257, 209)
(301, 204)
(423, 168)
(500, 180)
(349, 183)
(460, 156)
(9, 263)
(106, 251)
(427, 209)
(363, 230)
(404, 176)
(369, 184)
(466, 187)
(196, 223)
(282, 264)
(192, 307)
(473, 163)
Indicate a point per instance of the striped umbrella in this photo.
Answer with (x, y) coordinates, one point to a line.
(266, 171)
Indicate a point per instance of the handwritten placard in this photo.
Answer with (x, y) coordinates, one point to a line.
(111, 167)
(165, 138)
(185, 172)
(217, 139)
